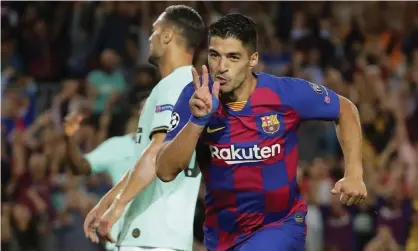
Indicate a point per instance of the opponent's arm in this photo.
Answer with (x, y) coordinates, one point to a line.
(92, 219)
(350, 137)
(143, 173)
(78, 164)
(176, 154)
(138, 179)
(110, 196)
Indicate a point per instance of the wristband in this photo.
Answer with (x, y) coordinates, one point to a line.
(202, 121)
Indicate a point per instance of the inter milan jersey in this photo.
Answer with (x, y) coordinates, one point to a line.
(248, 155)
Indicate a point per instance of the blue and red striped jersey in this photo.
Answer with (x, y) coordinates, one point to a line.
(248, 157)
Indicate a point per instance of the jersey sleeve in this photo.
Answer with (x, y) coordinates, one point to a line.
(312, 101)
(100, 158)
(166, 99)
(181, 113)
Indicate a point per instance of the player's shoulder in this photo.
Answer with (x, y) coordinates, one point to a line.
(118, 141)
(187, 91)
(178, 79)
(279, 84)
(114, 147)
(272, 80)
(285, 84)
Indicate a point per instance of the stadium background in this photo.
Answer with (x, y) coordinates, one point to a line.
(52, 52)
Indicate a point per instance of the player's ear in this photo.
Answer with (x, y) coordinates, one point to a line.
(167, 36)
(254, 60)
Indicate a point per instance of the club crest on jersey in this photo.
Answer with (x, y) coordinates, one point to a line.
(270, 124)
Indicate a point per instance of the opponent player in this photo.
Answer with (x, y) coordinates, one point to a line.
(114, 156)
(244, 129)
(146, 223)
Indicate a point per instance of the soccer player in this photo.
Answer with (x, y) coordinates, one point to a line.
(244, 129)
(146, 224)
(115, 155)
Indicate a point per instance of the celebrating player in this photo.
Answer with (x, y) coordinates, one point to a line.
(146, 223)
(244, 129)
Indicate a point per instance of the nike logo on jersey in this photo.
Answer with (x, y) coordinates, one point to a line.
(214, 130)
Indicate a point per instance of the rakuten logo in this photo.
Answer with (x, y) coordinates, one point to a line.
(233, 155)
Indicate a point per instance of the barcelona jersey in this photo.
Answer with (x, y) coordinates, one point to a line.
(248, 155)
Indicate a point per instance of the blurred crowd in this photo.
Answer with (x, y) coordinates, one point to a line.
(93, 56)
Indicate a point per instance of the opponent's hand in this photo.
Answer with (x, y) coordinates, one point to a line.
(72, 124)
(44, 119)
(203, 103)
(110, 217)
(92, 221)
(353, 190)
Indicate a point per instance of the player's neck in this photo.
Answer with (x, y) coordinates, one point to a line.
(172, 60)
(242, 93)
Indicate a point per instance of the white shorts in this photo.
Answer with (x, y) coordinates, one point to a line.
(144, 249)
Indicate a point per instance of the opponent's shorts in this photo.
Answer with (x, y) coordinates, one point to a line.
(287, 235)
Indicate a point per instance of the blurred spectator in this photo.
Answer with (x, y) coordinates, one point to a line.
(364, 223)
(412, 242)
(84, 30)
(107, 83)
(145, 79)
(338, 226)
(9, 55)
(114, 33)
(19, 102)
(383, 241)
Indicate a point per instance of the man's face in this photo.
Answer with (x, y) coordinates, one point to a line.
(229, 63)
(156, 45)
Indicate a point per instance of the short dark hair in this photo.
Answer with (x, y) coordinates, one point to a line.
(189, 23)
(236, 26)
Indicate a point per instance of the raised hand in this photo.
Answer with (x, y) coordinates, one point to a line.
(72, 124)
(44, 119)
(203, 103)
